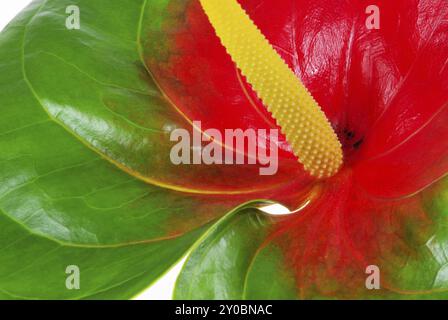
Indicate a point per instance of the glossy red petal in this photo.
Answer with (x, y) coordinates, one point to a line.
(412, 165)
(378, 87)
(407, 148)
(331, 243)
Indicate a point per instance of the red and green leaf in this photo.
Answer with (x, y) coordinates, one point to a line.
(323, 251)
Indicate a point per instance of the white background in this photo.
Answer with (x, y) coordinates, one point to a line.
(163, 288)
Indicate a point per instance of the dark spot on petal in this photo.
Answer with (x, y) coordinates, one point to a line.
(358, 143)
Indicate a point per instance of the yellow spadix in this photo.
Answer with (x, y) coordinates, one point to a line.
(300, 118)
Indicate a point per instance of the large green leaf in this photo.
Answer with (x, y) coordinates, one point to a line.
(247, 255)
(85, 176)
(227, 263)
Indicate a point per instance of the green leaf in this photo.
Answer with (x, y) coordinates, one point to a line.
(85, 176)
(34, 267)
(269, 277)
(231, 262)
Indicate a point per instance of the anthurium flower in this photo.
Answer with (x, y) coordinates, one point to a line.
(86, 178)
